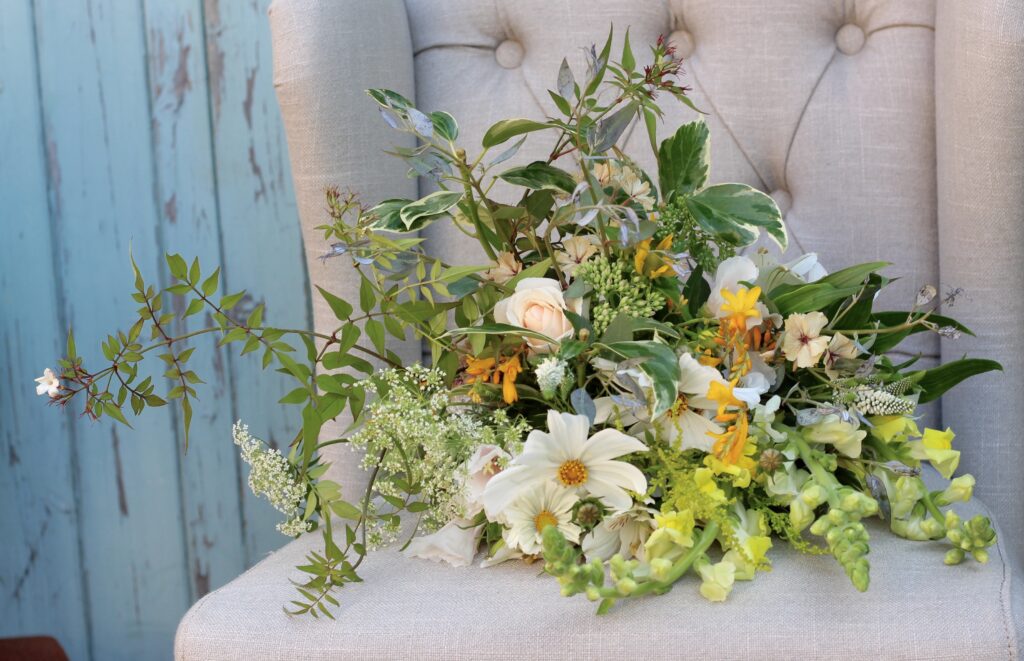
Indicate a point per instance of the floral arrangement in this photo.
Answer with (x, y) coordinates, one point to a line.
(616, 391)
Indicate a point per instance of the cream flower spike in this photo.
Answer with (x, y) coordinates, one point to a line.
(565, 455)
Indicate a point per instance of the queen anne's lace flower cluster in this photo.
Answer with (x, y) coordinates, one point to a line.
(271, 475)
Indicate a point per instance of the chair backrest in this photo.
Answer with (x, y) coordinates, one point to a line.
(829, 106)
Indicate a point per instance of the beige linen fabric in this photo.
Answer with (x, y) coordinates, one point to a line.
(805, 608)
(887, 130)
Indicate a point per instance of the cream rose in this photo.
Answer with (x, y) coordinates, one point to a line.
(538, 305)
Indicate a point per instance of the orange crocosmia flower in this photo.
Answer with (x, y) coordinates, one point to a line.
(741, 305)
(509, 370)
(723, 395)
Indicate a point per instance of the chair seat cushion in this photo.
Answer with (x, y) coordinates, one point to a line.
(804, 608)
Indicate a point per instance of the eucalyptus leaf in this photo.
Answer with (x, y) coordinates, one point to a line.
(510, 128)
(566, 81)
(610, 129)
(583, 404)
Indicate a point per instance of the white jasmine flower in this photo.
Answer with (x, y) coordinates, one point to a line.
(456, 543)
(566, 457)
(730, 275)
(48, 384)
(535, 510)
(575, 251)
(505, 268)
(550, 374)
(624, 533)
(803, 343)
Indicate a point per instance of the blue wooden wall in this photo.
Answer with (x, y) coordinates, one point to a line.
(151, 123)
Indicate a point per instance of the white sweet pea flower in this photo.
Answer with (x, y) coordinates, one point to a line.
(456, 543)
(48, 384)
(485, 463)
(807, 267)
(539, 305)
(566, 457)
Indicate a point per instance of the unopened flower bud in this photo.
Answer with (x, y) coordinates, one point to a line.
(954, 557)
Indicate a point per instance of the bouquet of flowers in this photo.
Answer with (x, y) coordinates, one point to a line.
(616, 391)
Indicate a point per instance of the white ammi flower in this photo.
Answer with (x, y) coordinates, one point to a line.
(535, 510)
(566, 457)
(48, 384)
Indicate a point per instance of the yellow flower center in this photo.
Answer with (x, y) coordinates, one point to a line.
(572, 473)
(544, 519)
(680, 406)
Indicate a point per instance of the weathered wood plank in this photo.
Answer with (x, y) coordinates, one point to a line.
(259, 220)
(96, 115)
(41, 587)
(187, 207)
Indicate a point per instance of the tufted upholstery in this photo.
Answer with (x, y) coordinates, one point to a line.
(884, 129)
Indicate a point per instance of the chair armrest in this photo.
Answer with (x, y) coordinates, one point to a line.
(326, 54)
(979, 99)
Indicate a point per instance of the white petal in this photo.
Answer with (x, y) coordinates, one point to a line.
(612, 496)
(694, 430)
(609, 444)
(508, 485)
(619, 474)
(456, 543)
(569, 431)
(601, 543)
(696, 379)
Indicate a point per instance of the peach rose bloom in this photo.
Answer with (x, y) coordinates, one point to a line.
(539, 305)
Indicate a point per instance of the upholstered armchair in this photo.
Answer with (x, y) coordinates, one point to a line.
(889, 130)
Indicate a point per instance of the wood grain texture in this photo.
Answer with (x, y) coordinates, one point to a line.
(259, 221)
(40, 572)
(149, 123)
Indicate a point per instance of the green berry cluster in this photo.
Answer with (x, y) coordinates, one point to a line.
(706, 249)
(618, 289)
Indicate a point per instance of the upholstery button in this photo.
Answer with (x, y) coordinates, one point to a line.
(782, 200)
(683, 41)
(509, 54)
(850, 39)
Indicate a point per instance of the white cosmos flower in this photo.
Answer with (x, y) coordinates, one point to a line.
(48, 384)
(456, 543)
(623, 533)
(687, 424)
(566, 457)
(729, 275)
(535, 510)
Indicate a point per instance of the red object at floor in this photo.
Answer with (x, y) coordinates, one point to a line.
(35, 648)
